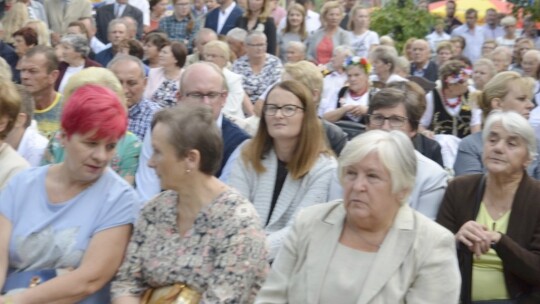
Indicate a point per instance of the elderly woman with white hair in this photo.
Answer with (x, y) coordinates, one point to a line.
(75, 50)
(496, 217)
(295, 51)
(398, 255)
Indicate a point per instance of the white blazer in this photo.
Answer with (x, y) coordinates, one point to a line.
(417, 261)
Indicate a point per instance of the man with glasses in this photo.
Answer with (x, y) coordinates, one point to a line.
(202, 82)
(401, 109)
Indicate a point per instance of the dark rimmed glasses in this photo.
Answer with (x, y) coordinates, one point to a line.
(287, 110)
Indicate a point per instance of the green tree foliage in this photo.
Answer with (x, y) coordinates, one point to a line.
(401, 20)
(526, 7)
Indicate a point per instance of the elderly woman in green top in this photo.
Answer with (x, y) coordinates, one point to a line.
(126, 160)
(496, 217)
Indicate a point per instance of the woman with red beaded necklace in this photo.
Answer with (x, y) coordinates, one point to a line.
(448, 109)
(353, 99)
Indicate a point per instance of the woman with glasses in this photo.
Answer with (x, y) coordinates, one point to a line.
(259, 69)
(449, 109)
(369, 246)
(400, 106)
(287, 165)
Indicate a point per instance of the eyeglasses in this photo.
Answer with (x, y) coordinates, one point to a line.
(259, 45)
(286, 110)
(394, 120)
(212, 96)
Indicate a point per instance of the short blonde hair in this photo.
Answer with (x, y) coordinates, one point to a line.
(5, 69)
(94, 75)
(395, 151)
(306, 73)
(223, 48)
(327, 7)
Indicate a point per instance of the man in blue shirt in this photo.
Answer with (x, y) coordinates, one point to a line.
(131, 73)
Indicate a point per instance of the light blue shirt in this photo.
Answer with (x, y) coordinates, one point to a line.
(473, 40)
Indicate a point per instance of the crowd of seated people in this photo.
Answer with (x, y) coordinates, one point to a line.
(192, 151)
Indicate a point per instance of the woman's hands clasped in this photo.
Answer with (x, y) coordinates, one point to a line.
(478, 238)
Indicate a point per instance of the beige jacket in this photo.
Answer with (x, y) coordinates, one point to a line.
(416, 263)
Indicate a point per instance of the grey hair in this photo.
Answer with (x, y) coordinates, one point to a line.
(515, 124)
(206, 31)
(343, 49)
(386, 54)
(79, 43)
(296, 44)
(253, 34)
(115, 22)
(237, 34)
(395, 151)
(403, 64)
(122, 57)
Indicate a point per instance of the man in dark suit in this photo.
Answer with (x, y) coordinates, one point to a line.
(201, 82)
(118, 31)
(107, 13)
(223, 18)
(421, 65)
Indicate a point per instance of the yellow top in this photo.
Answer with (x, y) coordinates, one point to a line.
(48, 119)
(487, 277)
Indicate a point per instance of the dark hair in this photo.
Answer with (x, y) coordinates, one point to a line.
(29, 35)
(179, 52)
(471, 11)
(411, 95)
(192, 126)
(463, 59)
(153, 3)
(81, 26)
(48, 52)
(158, 39)
(134, 47)
(451, 67)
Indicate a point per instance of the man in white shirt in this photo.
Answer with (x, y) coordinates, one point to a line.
(492, 30)
(473, 34)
